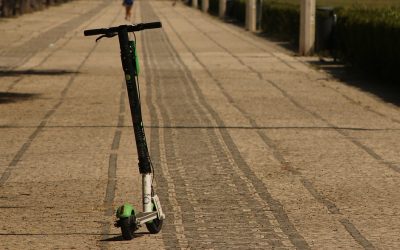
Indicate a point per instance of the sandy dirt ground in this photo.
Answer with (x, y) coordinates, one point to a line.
(252, 146)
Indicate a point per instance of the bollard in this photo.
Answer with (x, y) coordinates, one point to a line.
(222, 8)
(194, 4)
(251, 12)
(307, 27)
(204, 5)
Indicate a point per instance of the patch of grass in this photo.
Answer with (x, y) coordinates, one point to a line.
(347, 3)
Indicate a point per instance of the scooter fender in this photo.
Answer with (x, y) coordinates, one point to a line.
(125, 211)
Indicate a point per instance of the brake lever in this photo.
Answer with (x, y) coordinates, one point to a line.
(109, 35)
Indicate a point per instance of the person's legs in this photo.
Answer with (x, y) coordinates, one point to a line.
(128, 12)
(128, 6)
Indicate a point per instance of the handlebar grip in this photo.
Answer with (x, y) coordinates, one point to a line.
(94, 32)
(153, 25)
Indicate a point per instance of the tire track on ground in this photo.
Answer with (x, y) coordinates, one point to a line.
(212, 167)
(172, 233)
(260, 213)
(253, 181)
(269, 142)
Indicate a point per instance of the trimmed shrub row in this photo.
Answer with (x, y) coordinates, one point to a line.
(9, 8)
(213, 7)
(281, 20)
(370, 40)
(236, 9)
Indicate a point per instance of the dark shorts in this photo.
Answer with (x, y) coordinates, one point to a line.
(127, 2)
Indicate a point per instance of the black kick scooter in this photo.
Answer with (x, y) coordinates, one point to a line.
(152, 215)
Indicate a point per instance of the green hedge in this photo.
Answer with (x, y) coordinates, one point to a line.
(237, 9)
(370, 40)
(281, 20)
(213, 7)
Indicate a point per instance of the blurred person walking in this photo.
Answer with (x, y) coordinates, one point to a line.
(128, 7)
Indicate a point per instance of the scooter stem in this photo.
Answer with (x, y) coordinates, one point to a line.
(146, 191)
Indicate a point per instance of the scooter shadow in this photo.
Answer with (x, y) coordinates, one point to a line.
(120, 238)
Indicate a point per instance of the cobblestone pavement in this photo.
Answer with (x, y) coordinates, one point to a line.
(252, 147)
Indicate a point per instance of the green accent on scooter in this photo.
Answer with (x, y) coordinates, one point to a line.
(125, 211)
(135, 57)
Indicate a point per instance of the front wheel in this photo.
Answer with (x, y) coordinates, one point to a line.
(155, 225)
(127, 228)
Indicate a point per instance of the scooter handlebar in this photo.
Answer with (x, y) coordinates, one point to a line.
(130, 28)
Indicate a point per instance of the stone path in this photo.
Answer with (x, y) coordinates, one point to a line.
(252, 147)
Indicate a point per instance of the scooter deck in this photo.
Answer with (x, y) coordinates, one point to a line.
(143, 217)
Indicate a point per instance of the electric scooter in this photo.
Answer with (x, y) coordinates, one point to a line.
(152, 216)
